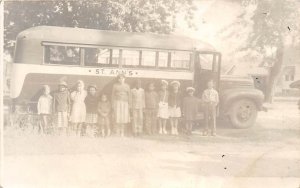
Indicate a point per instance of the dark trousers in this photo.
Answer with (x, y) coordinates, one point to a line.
(210, 117)
(150, 121)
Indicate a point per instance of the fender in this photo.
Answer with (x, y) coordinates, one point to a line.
(228, 96)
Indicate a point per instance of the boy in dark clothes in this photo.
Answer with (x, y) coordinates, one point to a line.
(190, 109)
(151, 106)
(91, 102)
(104, 112)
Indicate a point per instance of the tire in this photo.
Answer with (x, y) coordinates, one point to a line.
(243, 113)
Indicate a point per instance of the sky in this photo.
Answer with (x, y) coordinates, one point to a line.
(210, 18)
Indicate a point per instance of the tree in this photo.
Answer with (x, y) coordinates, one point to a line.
(273, 22)
(261, 26)
(155, 16)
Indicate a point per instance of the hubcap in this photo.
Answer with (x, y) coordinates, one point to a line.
(245, 112)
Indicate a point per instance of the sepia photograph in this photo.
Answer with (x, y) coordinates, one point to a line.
(150, 93)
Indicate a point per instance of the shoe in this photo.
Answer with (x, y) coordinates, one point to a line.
(204, 133)
(165, 131)
(213, 134)
(160, 131)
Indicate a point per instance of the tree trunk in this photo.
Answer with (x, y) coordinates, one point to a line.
(274, 73)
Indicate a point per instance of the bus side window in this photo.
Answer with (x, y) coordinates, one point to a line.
(97, 56)
(130, 58)
(115, 57)
(64, 55)
(180, 59)
(163, 59)
(148, 58)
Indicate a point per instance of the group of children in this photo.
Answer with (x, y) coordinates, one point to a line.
(147, 111)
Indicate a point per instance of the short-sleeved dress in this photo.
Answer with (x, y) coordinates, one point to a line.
(44, 106)
(78, 112)
(175, 105)
(120, 103)
(163, 110)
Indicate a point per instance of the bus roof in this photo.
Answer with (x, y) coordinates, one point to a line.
(112, 38)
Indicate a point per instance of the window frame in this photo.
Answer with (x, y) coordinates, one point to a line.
(120, 62)
(99, 65)
(191, 59)
(155, 63)
(131, 66)
(46, 55)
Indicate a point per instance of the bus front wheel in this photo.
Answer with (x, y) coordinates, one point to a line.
(243, 113)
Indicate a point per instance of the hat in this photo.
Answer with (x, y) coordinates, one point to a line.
(62, 83)
(164, 82)
(93, 86)
(175, 82)
(190, 89)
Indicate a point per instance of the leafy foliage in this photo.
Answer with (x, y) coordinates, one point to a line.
(263, 26)
(272, 21)
(156, 16)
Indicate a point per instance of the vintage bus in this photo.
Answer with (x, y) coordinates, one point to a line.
(47, 55)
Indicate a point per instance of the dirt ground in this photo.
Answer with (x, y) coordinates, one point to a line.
(265, 155)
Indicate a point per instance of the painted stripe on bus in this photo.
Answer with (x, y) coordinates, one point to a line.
(19, 72)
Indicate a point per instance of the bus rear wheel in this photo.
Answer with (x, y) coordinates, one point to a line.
(243, 113)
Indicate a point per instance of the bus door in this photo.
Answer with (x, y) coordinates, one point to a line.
(207, 67)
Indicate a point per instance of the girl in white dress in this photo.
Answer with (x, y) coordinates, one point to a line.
(78, 112)
(163, 112)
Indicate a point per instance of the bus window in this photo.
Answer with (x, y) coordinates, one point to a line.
(130, 58)
(163, 59)
(180, 59)
(115, 56)
(206, 61)
(97, 56)
(65, 55)
(148, 58)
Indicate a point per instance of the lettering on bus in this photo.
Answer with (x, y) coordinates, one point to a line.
(110, 72)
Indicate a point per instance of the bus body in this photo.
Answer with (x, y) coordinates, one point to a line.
(47, 55)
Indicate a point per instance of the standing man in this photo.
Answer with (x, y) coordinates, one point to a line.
(210, 98)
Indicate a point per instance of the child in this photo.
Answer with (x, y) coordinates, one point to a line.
(104, 109)
(91, 102)
(61, 107)
(151, 106)
(210, 98)
(78, 112)
(44, 108)
(190, 109)
(174, 107)
(163, 112)
(137, 107)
